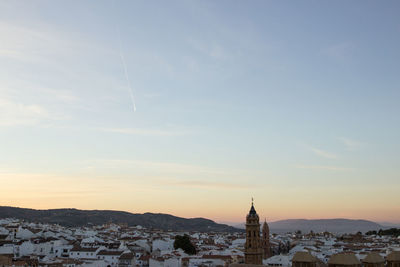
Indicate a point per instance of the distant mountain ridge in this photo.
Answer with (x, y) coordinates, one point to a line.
(75, 217)
(339, 226)
(321, 225)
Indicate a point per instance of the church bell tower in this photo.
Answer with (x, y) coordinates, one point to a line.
(265, 241)
(253, 248)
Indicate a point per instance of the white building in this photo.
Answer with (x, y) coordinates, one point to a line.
(110, 257)
(84, 253)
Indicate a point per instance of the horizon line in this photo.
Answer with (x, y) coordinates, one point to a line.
(230, 223)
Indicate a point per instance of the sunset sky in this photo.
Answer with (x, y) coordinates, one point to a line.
(294, 103)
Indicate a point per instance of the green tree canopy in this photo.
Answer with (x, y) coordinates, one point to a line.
(391, 231)
(183, 242)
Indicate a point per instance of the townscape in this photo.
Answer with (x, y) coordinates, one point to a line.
(34, 244)
(134, 133)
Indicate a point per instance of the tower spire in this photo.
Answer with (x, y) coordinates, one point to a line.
(265, 240)
(253, 248)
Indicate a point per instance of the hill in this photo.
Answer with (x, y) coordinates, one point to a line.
(75, 217)
(339, 226)
(320, 225)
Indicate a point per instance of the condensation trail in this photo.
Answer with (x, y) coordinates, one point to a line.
(121, 55)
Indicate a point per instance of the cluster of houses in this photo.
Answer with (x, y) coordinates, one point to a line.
(34, 244)
(350, 250)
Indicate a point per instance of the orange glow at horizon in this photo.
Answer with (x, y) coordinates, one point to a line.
(43, 191)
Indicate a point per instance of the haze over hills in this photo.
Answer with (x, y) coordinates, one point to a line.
(389, 224)
(75, 217)
(321, 225)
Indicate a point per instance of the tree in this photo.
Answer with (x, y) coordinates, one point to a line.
(183, 242)
(391, 231)
(372, 232)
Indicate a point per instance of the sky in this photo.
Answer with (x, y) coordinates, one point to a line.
(294, 103)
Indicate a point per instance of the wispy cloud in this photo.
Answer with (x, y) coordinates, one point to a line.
(177, 175)
(172, 169)
(214, 50)
(14, 113)
(323, 153)
(37, 42)
(30, 183)
(322, 167)
(350, 144)
(26, 44)
(162, 167)
(10, 53)
(40, 67)
(146, 132)
(340, 51)
(207, 184)
(151, 95)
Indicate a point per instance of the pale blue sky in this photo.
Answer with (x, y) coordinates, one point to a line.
(273, 99)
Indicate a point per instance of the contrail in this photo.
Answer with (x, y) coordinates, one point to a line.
(121, 55)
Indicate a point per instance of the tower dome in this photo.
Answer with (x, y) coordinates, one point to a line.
(252, 216)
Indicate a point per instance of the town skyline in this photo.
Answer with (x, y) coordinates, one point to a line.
(240, 223)
(191, 108)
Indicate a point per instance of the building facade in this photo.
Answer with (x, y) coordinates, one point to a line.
(253, 248)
